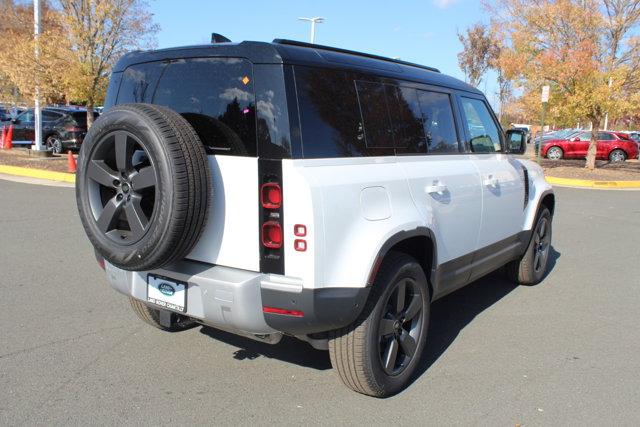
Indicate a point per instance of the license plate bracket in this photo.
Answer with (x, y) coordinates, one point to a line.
(167, 293)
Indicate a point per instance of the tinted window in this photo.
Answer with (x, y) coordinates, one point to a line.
(329, 114)
(605, 136)
(439, 125)
(50, 116)
(485, 136)
(139, 82)
(216, 96)
(406, 117)
(372, 98)
(27, 116)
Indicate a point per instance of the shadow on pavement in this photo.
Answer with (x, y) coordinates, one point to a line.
(289, 350)
(449, 316)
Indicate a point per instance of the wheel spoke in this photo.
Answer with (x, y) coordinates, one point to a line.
(542, 229)
(390, 355)
(145, 178)
(408, 343)
(536, 260)
(101, 173)
(123, 152)
(400, 296)
(136, 218)
(386, 327)
(414, 307)
(109, 215)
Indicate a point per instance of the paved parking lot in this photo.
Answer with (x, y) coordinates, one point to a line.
(564, 352)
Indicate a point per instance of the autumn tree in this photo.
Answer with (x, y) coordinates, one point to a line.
(586, 50)
(19, 66)
(478, 53)
(100, 32)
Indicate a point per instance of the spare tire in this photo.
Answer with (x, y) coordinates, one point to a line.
(143, 186)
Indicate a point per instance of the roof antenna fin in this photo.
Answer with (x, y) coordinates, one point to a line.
(219, 38)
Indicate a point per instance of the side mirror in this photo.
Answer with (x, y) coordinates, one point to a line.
(15, 121)
(516, 141)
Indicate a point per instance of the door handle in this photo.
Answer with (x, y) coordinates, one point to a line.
(436, 187)
(491, 181)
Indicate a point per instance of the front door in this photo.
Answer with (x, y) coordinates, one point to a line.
(502, 180)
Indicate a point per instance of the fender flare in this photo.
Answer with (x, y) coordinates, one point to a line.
(400, 236)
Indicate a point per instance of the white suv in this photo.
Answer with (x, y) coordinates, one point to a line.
(287, 188)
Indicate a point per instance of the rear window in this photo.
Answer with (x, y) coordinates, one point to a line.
(215, 95)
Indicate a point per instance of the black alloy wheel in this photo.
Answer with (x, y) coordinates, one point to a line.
(122, 187)
(400, 326)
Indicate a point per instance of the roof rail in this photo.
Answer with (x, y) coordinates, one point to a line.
(352, 52)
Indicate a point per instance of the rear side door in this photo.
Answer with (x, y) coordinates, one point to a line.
(443, 181)
(23, 128)
(605, 140)
(502, 181)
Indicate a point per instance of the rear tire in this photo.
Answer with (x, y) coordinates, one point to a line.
(378, 354)
(530, 269)
(617, 156)
(173, 322)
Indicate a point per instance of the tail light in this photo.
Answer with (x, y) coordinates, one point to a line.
(270, 202)
(270, 195)
(272, 235)
(73, 129)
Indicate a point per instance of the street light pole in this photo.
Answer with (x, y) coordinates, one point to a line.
(314, 21)
(37, 111)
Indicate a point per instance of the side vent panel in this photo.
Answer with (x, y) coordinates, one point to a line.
(526, 186)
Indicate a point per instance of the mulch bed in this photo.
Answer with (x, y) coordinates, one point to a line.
(21, 157)
(605, 171)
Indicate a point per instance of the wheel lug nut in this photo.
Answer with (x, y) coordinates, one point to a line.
(116, 182)
(119, 197)
(129, 197)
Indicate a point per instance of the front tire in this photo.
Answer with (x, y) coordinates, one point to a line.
(531, 268)
(555, 153)
(54, 143)
(378, 354)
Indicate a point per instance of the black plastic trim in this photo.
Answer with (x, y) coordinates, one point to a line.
(324, 309)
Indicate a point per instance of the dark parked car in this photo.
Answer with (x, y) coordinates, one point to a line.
(62, 128)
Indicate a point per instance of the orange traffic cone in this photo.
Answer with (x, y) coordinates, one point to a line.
(8, 140)
(4, 135)
(71, 163)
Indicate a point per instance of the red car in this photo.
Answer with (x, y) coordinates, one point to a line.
(612, 146)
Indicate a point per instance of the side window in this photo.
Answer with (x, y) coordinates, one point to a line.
(439, 124)
(605, 136)
(27, 116)
(372, 98)
(485, 136)
(50, 116)
(139, 81)
(406, 117)
(216, 96)
(329, 114)
(585, 136)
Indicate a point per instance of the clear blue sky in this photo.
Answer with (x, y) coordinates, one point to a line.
(422, 31)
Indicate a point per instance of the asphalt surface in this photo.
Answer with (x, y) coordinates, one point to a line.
(564, 352)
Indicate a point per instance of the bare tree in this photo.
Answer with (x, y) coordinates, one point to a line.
(479, 51)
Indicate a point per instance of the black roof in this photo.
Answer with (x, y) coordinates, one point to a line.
(299, 53)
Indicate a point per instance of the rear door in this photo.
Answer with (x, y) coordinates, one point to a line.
(605, 142)
(444, 182)
(502, 181)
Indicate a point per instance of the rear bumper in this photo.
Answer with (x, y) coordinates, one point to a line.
(233, 299)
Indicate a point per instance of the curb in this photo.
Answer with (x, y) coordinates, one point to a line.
(584, 183)
(38, 173)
